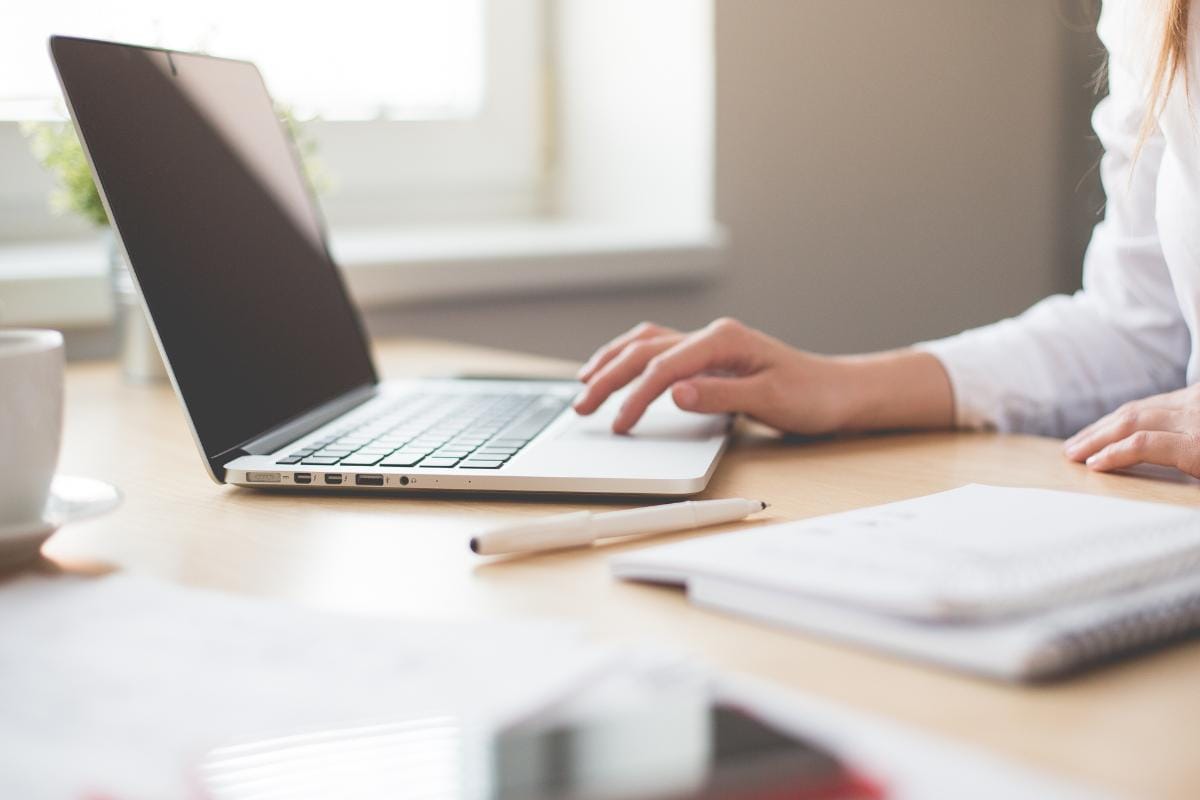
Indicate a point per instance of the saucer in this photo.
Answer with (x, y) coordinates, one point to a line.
(71, 499)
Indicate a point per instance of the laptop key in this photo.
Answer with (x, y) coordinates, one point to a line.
(322, 461)
(292, 459)
(402, 459)
(438, 462)
(479, 463)
(362, 460)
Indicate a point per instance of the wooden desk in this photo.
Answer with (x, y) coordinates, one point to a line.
(1130, 728)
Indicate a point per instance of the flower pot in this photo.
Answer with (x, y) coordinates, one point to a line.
(137, 350)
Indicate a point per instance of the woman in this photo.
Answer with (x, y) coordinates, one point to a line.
(1114, 357)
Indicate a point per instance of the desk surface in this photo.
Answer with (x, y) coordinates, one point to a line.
(1129, 728)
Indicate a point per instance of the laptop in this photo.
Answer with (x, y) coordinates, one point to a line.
(263, 345)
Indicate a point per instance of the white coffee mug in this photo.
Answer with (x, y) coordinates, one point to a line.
(31, 401)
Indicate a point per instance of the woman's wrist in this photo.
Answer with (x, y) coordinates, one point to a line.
(899, 389)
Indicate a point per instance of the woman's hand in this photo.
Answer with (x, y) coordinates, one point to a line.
(729, 367)
(1163, 429)
(724, 367)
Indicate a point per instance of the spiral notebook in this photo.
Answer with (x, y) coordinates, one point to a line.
(1020, 584)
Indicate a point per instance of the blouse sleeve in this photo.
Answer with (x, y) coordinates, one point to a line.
(1069, 360)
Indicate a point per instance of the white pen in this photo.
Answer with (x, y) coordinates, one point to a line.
(581, 528)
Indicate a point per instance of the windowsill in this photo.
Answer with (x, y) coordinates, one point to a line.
(64, 284)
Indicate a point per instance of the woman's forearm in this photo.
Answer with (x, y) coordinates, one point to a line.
(727, 367)
(896, 390)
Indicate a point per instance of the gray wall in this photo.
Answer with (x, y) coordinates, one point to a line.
(887, 172)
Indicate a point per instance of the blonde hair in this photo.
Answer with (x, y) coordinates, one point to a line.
(1172, 60)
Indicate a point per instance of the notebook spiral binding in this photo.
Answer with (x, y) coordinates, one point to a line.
(1167, 620)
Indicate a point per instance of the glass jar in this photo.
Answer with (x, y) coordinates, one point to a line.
(136, 348)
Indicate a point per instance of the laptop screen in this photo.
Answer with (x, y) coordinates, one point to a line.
(222, 233)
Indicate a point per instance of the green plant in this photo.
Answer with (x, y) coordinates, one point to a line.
(57, 148)
(306, 148)
(55, 145)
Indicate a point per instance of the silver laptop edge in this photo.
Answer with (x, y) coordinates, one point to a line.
(671, 453)
(677, 456)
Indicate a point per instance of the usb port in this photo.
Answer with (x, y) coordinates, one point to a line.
(302, 477)
(333, 479)
(368, 480)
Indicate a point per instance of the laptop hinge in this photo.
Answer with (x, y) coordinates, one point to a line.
(294, 428)
(217, 463)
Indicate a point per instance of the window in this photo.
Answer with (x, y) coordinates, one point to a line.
(409, 59)
(532, 145)
(425, 111)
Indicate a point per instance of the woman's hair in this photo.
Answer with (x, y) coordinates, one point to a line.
(1172, 58)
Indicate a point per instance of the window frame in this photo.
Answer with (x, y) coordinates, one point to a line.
(488, 166)
(625, 199)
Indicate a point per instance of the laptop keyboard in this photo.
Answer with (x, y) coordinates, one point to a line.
(475, 431)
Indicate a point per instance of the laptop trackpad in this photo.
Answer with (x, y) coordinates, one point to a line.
(666, 443)
(662, 422)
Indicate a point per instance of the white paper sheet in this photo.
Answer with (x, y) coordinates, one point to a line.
(970, 553)
(124, 687)
(119, 686)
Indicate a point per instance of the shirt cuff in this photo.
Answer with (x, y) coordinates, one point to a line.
(977, 402)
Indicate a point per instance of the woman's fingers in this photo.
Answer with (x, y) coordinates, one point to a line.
(1121, 424)
(1177, 400)
(1150, 447)
(621, 369)
(646, 330)
(661, 357)
(712, 394)
(713, 348)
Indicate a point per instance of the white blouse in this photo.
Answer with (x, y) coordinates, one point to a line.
(1134, 328)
